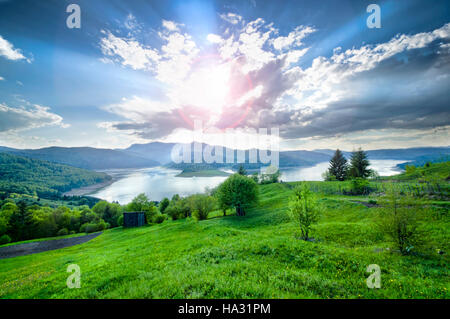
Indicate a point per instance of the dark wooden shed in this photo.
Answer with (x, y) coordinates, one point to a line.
(133, 219)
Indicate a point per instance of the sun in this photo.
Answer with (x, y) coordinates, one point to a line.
(207, 87)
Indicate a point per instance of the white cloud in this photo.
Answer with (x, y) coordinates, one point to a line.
(129, 51)
(7, 50)
(2, 78)
(232, 18)
(27, 117)
(170, 25)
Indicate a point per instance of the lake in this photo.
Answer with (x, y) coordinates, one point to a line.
(159, 182)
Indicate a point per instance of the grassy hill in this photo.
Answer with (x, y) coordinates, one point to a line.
(429, 172)
(36, 177)
(85, 157)
(256, 256)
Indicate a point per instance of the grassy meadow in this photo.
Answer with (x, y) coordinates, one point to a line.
(252, 256)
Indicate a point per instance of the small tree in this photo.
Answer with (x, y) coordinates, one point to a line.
(242, 170)
(338, 166)
(400, 220)
(163, 204)
(304, 209)
(239, 192)
(359, 164)
(202, 205)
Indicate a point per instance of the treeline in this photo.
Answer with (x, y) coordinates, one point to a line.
(41, 178)
(357, 171)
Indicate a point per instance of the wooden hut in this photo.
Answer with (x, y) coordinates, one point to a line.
(133, 219)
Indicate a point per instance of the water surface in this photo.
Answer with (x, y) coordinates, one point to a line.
(159, 182)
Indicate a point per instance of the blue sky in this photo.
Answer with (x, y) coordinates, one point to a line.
(136, 70)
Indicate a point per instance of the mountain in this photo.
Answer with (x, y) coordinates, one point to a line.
(85, 157)
(157, 153)
(46, 179)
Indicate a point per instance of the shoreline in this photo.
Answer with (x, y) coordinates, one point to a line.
(86, 190)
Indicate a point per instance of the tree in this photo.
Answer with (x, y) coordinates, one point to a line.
(239, 192)
(338, 166)
(202, 205)
(141, 203)
(359, 164)
(242, 170)
(163, 204)
(304, 209)
(178, 209)
(19, 222)
(400, 220)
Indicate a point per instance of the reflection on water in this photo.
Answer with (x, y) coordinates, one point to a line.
(314, 173)
(158, 182)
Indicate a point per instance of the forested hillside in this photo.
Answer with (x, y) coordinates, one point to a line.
(45, 179)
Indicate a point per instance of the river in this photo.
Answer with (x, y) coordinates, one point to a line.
(159, 182)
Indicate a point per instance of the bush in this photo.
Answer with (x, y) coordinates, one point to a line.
(359, 186)
(304, 209)
(120, 220)
(91, 227)
(202, 205)
(5, 239)
(160, 218)
(178, 209)
(63, 232)
(400, 221)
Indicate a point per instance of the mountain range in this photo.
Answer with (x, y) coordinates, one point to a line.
(158, 153)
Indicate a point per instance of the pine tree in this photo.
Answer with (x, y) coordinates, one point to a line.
(242, 170)
(359, 164)
(338, 166)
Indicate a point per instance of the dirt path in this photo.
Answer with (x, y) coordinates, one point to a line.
(40, 246)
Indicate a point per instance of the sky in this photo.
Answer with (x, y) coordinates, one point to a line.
(142, 71)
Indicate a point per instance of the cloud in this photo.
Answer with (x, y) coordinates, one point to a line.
(2, 78)
(128, 52)
(230, 17)
(7, 50)
(27, 117)
(400, 84)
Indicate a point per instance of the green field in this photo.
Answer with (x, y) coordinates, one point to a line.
(255, 256)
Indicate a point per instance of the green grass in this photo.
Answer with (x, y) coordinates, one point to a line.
(204, 173)
(256, 256)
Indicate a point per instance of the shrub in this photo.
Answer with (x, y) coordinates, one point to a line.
(359, 186)
(163, 205)
(5, 239)
(202, 205)
(400, 221)
(304, 209)
(120, 220)
(178, 209)
(91, 227)
(63, 232)
(159, 218)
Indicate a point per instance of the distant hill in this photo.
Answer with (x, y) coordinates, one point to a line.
(428, 172)
(157, 153)
(85, 157)
(36, 177)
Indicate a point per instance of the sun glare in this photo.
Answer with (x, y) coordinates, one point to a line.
(207, 88)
